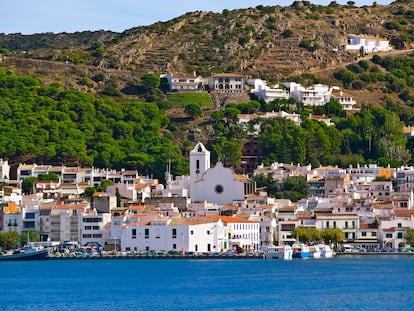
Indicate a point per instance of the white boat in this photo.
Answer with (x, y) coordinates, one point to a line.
(326, 250)
(29, 253)
(278, 252)
(314, 252)
(300, 251)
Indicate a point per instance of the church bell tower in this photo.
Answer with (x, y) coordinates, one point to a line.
(199, 164)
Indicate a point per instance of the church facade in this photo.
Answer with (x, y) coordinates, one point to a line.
(217, 184)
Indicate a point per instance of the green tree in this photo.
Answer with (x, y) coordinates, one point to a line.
(306, 235)
(28, 185)
(9, 239)
(50, 176)
(151, 81)
(333, 235)
(409, 237)
(193, 109)
(29, 236)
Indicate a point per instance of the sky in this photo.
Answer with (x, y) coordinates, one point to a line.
(40, 16)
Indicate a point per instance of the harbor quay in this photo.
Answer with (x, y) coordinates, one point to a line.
(139, 256)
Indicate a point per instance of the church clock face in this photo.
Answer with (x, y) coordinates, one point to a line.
(218, 189)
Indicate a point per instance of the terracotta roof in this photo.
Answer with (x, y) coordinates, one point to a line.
(227, 75)
(403, 213)
(340, 94)
(319, 117)
(72, 206)
(191, 221)
(231, 219)
(136, 207)
(182, 75)
(368, 226)
(11, 208)
(140, 186)
(48, 206)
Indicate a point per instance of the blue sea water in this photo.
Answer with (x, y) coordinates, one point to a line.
(357, 283)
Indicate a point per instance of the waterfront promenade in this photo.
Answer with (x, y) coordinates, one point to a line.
(213, 256)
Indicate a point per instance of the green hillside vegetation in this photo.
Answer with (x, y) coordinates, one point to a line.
(182, 99)
(49, 125)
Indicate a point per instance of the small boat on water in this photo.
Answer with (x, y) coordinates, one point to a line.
(300, 251)
(314, 251)
(29, 253)
(278, 252)
(326, 251)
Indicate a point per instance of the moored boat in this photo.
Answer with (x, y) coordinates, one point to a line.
(326, 251)
(29, 253)
(278, 252)
(314, 252)
(300, 251)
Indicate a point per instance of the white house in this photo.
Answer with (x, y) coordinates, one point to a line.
(322, 118)
(348, 223)
(93, 227)
(226, 83)
(367, 44)
(12, 218)
(345, 99)
(183, 81)
(195, 234)
(242, 234)
(268, 93)
(316, 95)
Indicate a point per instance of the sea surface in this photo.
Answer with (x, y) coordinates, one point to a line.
(340, 283)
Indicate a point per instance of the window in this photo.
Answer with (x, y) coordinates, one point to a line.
(334, 224)
(174, 233)
(134, 233)
(208, 231)
(191, 232)
(346, 225)
(364, 233)
(174, 246)
(146, 233)
(327, 224)
(373, 234)
(399, 225)
(399, 235)
(30, 215)
(388, 235)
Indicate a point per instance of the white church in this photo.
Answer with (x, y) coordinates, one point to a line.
(217, 184)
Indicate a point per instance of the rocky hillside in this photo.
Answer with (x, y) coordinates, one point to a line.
(271, 42)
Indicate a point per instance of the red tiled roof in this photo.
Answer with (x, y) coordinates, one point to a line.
(227, 75)
(231, 219)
